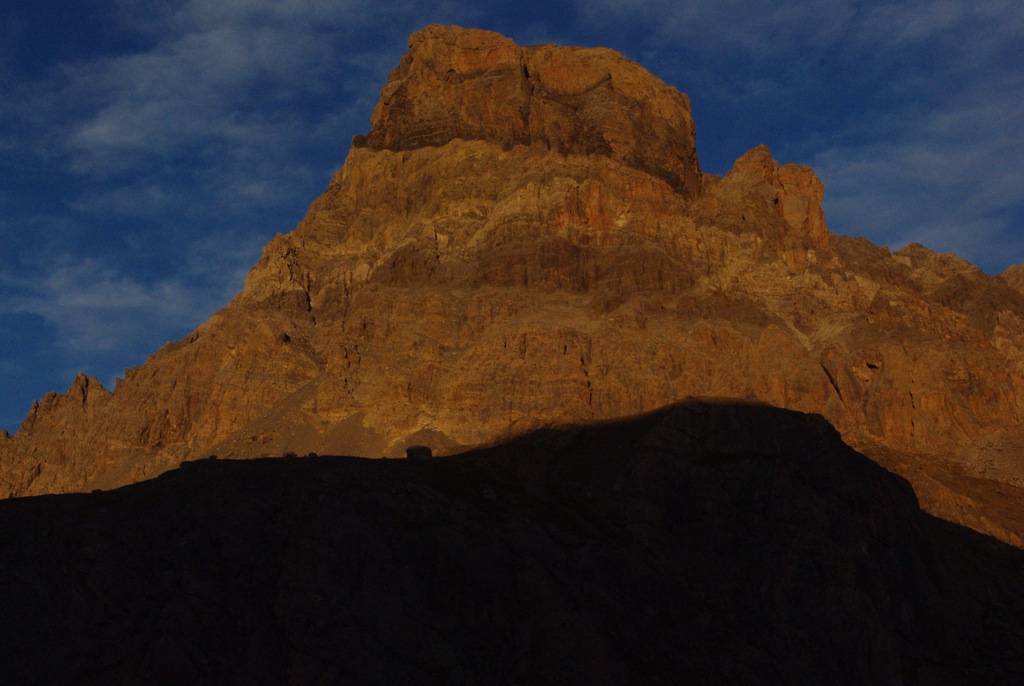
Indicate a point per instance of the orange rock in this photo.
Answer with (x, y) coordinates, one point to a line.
(472, 84)
(1014, 275)
(525, 237)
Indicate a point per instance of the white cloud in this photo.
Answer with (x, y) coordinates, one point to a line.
(948, 178)
(190, 91)
(96, 306)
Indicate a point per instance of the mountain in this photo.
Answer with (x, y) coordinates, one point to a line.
(702, 543)
(526, 237)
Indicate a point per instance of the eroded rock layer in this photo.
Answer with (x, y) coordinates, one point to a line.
(525, 237)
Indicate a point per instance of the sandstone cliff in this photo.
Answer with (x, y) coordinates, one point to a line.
(524, 237)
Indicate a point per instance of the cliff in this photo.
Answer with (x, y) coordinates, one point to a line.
(525, 237)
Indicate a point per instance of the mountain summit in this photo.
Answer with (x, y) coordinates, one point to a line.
(478, 85)
(526, 237)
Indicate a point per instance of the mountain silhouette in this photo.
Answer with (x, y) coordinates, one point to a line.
(705, 542)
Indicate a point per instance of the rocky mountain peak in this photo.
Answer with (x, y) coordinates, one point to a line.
(474, 84)
(791, 191)
(525, 237)
(85, 394)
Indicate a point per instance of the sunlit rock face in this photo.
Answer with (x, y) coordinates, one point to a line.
(525, 236)
(478, 85)
(1014, 275)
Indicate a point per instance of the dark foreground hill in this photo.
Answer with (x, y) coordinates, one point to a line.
(703, 543)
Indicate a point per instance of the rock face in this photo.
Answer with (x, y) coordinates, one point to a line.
(477, 85)
(705, 543)
(1014, 275)
(525, 237)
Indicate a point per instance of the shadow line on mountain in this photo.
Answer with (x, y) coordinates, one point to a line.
(719, 541)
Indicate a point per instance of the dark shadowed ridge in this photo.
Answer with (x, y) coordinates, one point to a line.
(705, 542)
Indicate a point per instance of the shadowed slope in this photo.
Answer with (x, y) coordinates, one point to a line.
(705, 542)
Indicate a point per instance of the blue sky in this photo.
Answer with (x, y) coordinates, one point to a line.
(149, 149)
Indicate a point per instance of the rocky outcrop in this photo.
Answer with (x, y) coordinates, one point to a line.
(471, 84)
(482, 265)
(1014, 275)
(757, 181)
(706, 543)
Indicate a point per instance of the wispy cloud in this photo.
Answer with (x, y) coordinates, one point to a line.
(96, 307)
(943, 165)
(221, 79)
(228, 102)
(948, 179)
